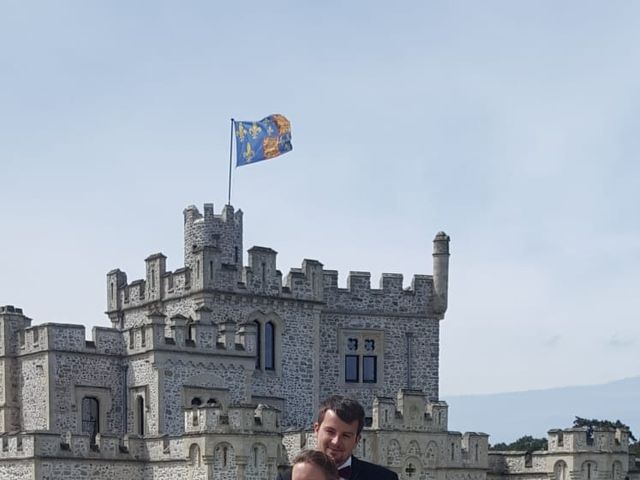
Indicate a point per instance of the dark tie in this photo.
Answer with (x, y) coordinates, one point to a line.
(345, 472)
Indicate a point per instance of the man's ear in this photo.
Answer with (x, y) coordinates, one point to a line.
(316, 427)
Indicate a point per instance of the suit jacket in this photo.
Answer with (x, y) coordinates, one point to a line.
(360, 470)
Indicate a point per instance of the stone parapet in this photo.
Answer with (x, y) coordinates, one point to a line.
(243, 419)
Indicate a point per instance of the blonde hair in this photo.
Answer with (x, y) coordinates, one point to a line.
(320, 460)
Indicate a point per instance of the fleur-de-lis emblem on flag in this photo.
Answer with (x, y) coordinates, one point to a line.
(256, 141)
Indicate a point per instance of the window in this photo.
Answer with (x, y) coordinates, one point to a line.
(369, 368)
(361, 351)
(258, 343)
(269, 346)
(266, 343)
(140, 407)
(351, 370)
(90, 416)
(191, 333)
(196, 402)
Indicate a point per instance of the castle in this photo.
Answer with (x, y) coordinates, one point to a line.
(215, 371)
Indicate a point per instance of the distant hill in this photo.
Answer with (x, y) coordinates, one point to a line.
(508, 416)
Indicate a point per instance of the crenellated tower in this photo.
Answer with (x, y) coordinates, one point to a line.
(222, 232)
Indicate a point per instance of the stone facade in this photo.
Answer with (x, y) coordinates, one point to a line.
(215, 370)
(572, 454)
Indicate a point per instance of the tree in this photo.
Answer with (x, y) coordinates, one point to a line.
(593, 422)
(526, 443)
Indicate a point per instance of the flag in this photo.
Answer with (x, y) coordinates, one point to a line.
(256, 141)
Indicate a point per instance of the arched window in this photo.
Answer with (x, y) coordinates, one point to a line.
(91, 416)
(196, 402)
(212, 402)
(194, 455)
(560, 470)
(140, 412)
(258, 343)
(269, 346)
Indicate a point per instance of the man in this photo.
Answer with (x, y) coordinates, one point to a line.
(338, 429)
(313, 465)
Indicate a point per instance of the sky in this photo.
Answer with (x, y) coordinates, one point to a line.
(512, 126)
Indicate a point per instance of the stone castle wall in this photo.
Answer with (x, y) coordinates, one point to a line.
(187, 353)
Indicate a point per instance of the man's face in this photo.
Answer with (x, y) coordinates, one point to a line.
(307, 471)
(336, 438)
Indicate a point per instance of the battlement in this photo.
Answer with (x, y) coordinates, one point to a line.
(69, 338)
(389, 297)
(16, 446)
(10, 309)
(410, 411)
(199, 335)
(239, 419)
(615, 440)
(222, 231)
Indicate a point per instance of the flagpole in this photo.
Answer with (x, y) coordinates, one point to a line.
(230, 161)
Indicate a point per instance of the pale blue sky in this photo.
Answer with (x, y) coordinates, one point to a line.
(510, 125)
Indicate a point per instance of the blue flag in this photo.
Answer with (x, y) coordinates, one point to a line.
(268, 138)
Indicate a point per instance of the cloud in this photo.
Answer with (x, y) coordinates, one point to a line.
(621, 341)
(552, 342)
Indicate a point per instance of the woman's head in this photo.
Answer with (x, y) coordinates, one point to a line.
(313, 465)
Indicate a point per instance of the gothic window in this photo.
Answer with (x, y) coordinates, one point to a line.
(194, 455)
(235, 254)
(90, 416)
(258, 343)
(266, 343)
(269, 346)
(560, 470)
(140, 412)
(361, 354)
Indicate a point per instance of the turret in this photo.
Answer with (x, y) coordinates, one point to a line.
(116, 279)
(440, 273)
(156, 266)
(223, 231)
(12, 326)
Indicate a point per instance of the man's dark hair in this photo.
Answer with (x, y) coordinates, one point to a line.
(321, 460)
(347, 409)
